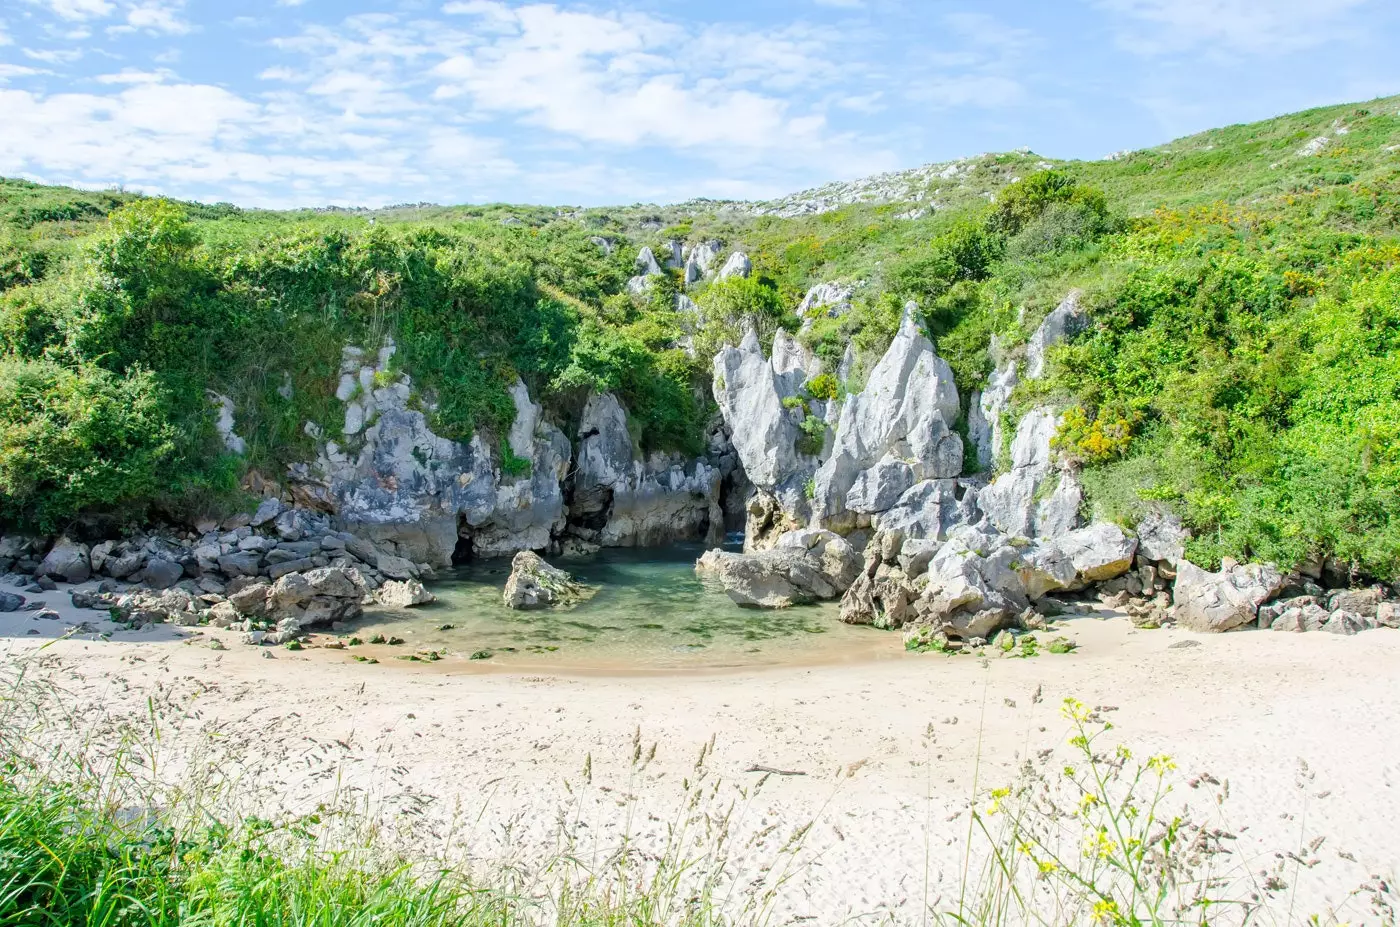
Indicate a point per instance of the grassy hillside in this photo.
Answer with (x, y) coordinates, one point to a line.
(1243, 365)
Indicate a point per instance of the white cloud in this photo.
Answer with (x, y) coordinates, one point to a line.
(8, 71)
(78, 9)
(132, 76)
(157, 17)
(1250, 26)
(52, 55)
(630, 80)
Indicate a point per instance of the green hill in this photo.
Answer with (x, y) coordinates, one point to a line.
(1243, 365)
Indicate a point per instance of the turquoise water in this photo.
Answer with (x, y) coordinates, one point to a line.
(651, 614)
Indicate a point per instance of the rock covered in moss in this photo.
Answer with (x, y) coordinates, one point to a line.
(534, 584)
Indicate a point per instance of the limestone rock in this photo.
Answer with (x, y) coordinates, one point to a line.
(224, 423)
(906, 410)
(1162, 537)
(930, 510)
(636, 503)
(405, 594)
(879, 488)
(647, 265)
(701, 260)
(830, 299)
(66, 560)
(738, 265)
(750, 395)
(1018, 502)
(776, 578)
(1066, 321)
(1099, 553)
(1223, 601)
(534, 584)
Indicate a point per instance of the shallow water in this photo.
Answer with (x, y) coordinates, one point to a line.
(651, 614)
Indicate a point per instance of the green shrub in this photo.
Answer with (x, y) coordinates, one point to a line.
(83, 440)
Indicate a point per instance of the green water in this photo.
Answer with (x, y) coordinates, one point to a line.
(651, 613)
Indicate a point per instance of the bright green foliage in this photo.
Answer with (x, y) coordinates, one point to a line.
(823, 386)
(79, 440)
(1240, 365)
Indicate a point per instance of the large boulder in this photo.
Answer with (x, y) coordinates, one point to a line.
(1223, 601)
(534, 584)
(1099, 553)
(738, 265)
(67, 560)
(160, 574)
(906, 411)
(777, 578)
(403, 594)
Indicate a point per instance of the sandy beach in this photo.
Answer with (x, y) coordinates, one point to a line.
(881, 756)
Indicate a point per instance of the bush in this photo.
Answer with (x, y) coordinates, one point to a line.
(80, 441)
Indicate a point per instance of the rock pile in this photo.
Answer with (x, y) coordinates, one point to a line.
(281, 569)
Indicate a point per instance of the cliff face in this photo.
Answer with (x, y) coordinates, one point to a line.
(389, 478)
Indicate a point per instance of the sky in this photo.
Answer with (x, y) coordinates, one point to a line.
(279, 103)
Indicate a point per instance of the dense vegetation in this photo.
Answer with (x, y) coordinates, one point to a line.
(1242, 365)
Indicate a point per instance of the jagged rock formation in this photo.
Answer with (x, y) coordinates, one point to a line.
(904, 415)
(1037, 496)
(760, 400)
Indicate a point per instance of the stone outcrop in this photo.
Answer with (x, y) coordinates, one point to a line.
(738, 265)
(830, 299)
(805, 566)
(700, 259)
(904, 414)
(67, 560)
(1037, 496)
(534, 584)
(1223, 601)
(750, 390)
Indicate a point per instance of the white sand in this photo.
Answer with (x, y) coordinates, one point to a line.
(465, 761)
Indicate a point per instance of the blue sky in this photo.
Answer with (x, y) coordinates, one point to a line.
(369, 102)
